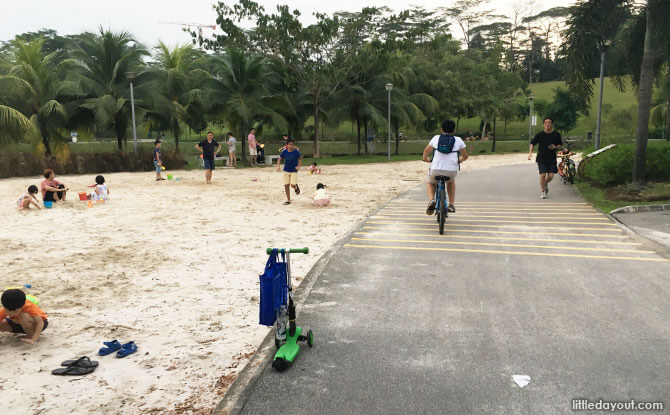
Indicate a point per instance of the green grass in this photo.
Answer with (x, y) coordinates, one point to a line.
(597, 197)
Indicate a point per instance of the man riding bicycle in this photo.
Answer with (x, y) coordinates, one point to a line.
(449, 152)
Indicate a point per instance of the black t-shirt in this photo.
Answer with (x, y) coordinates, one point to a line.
(208, 148)
(542, 140)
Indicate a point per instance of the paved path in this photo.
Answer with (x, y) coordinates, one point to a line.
(408, 321)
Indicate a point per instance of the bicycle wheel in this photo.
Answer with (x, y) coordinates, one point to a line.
(443, 210)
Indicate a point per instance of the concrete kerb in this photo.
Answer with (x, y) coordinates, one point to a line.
(640, 208)
(653, 245)
(237, 394)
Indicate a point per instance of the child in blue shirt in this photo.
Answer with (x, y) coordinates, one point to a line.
(292, 162)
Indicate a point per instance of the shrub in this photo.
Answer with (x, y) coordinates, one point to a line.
(14, 164)
(615, 166)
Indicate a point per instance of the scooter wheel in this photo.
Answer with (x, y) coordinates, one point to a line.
(310, 338)
(280, 364)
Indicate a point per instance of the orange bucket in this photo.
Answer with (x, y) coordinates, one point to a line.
(82, 196)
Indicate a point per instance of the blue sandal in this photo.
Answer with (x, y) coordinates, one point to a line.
(112, 346)
(126, 349)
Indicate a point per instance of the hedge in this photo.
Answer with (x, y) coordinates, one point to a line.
(615, 166)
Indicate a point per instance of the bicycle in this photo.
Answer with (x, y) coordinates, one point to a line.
(441, 209)
(566, 168)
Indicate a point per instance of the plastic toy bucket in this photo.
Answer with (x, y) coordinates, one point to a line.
(82, 196)
(48, 204)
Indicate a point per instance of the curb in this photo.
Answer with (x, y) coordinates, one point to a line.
(659, 248)
(236, 396)
(640, 208)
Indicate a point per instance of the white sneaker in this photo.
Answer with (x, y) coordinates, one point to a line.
(543, 195)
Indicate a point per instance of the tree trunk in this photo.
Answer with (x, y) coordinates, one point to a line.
(119, 133)
(358, 128)
(397, 136)
(365, 127)
(493, 144)
(644, 103)
(316, 122)
(244, 141)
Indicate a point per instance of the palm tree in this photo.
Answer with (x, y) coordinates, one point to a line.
(14, 126)
(240, 92)
(35, 88)
(178, 96)
(100, 66)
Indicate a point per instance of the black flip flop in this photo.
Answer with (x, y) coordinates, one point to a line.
(73, 371)
(83, 362)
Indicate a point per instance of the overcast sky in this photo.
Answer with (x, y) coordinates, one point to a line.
(142, 17)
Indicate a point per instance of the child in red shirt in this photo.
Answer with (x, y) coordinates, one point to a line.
(20, 315)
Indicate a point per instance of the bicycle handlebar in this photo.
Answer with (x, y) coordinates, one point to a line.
(304, 250)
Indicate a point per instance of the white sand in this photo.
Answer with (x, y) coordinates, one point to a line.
(173, 266)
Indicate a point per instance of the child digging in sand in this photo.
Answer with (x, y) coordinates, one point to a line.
(321, 198)
(20, 315)
(29, 198)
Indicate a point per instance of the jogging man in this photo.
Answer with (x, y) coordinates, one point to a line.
(209, 148)
(547, 142)
(449, 152)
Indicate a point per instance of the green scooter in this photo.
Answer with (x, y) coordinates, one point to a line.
(287, 342)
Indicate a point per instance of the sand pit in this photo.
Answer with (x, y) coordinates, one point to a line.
(173, 266)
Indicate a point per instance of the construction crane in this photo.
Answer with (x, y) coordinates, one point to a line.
(190, 25)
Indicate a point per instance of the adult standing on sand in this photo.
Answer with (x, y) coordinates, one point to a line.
(209, 149)
(251, 138)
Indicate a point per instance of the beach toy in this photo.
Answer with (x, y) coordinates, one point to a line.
(48, 204)
(83, 196)
(170, 177)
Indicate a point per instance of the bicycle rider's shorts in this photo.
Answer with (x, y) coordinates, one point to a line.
(432, 174)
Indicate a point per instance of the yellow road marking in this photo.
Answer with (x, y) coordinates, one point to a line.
(493, 226)
(484, 251)
(506, 221)
(500, 237)
(530, 211)
(574, 248)
(601, 218)
(501, 203)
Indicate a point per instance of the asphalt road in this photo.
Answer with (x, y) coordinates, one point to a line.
(407, 321)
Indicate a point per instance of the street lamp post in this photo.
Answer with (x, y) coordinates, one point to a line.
(530, 117)
(130, 76)
(389, 87)
(603, 48)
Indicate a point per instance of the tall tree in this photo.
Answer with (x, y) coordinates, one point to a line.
(240, 92)
(179, 95)
(34, 86)
(100, 65)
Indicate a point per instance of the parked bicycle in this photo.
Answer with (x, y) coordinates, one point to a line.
(567, 168)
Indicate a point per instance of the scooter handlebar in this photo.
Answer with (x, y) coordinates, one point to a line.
(304, 250)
